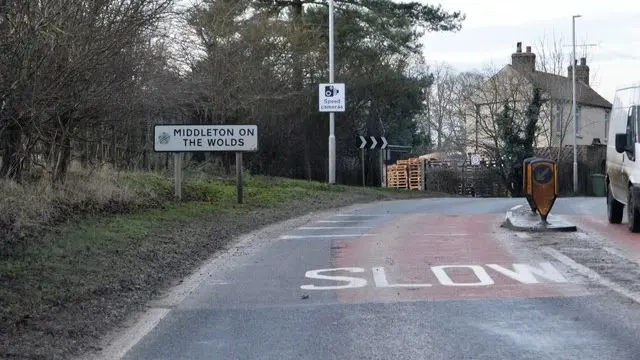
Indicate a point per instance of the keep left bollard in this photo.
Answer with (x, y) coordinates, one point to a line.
(542, 180)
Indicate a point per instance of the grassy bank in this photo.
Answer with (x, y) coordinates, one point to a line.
(76, 260)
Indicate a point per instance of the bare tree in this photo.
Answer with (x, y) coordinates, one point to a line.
(445, 115)
(66, 67)
(556, 118)
(503, 108)
(441, 104)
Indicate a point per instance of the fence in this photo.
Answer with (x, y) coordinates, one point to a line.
(591, 160)
(458, 177)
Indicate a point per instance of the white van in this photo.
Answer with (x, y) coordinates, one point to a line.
(623, 158)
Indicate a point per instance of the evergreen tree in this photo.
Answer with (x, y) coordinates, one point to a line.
(516, 137)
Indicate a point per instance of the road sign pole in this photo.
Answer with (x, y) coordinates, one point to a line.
(383, 167)
(332, 123)
(363, 153)
(239, 180)
(177, 174)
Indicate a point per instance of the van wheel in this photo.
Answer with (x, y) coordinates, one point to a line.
(614, 208)
(632, 213)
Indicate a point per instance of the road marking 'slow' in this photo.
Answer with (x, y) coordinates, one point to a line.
(333, 227)
(291, 237)
(592, 274)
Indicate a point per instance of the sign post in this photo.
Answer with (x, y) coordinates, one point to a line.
(363, 152)
(331, 99)
(372, 143)
(239, 181)
(383, 172)
(190, 138)
(177, 175)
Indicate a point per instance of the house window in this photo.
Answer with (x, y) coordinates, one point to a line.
(607, 115)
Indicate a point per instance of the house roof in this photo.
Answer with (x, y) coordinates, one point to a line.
(560, 88)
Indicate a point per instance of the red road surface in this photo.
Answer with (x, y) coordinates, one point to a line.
(618, 234)
(409, 247)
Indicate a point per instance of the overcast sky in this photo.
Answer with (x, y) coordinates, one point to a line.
(493, 27)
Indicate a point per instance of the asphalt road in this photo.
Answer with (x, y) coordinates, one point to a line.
(418, 279)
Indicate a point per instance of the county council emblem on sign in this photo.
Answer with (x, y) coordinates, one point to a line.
(164, 138)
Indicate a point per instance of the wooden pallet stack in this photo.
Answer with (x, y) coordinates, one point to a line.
(415, 174)
(397, 175)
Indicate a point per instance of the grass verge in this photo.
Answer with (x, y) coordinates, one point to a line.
(77, 260)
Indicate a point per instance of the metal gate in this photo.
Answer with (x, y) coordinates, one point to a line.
(461, 178)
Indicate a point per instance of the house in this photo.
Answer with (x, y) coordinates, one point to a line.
(516, 82)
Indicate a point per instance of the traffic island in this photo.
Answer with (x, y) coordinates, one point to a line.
(521, 218)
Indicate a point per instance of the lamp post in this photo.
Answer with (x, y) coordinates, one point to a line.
(573, 106)
(332, 122)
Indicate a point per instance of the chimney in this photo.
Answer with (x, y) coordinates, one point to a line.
(582, 71)
(523, 62)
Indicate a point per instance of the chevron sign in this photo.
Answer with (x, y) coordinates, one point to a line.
(371, 142)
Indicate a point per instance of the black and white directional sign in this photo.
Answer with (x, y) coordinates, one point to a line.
(186, 138)
(371, 142)
(332, 98)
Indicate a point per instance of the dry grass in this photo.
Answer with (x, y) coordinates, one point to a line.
(27, 209)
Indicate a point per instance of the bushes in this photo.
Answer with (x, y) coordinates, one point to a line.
(27, 210)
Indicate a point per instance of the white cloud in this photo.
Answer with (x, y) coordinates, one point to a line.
(493, 27)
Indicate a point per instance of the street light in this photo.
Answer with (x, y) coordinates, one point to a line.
(332, 121)
(573, 110)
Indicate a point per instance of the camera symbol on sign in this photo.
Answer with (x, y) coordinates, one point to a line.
(330, 91)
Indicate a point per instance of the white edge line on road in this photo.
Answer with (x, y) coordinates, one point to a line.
(516, 207)
(447, 234)
(333, 227)
(619, 253)
(359, 215)
(592, 274)
(338, 221)
(133, 335)
(291, 237)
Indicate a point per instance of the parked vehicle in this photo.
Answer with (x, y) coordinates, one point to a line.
(623, 158)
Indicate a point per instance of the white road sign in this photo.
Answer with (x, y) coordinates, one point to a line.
(475, 159)
(332, 98)
(185, 138)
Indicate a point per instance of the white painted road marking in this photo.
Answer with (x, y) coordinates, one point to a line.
(523, 273)
(380, 278)
(291, 237)
(358, 215)
(337, 221)
(353, 282)
(333, 227)
(446, 234)
(592, 274)
(478, 271)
